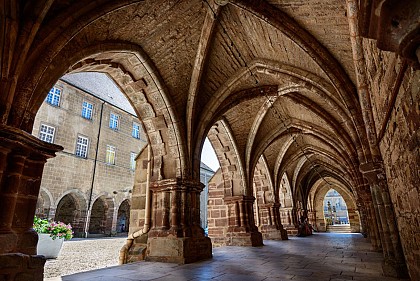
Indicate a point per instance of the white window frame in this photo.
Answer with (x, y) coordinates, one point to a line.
(82, 146)
(135, 132)
(87, 110)
(133, 160)
(110, 154)
(114, 121)
(46, 133)
(54, 96)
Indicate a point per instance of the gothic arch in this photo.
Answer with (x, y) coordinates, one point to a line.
(101, 215)
(230, 161)
(317, 194)
(123, 216)
(71, 208)
(263, 184)
(45, 203)
(137, 77)
(285, 193)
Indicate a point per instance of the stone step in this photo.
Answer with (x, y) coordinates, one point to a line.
(340, 228)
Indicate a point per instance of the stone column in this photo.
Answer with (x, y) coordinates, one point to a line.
(176, 235)
(22, 159)
(375, 239)
(394, 263)
(287, 217)
(271, 227)
(242, 230)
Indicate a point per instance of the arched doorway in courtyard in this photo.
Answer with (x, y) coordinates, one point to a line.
(123, 217)
(71, 210)
(101, 216)
(342, 209)
(335, 209)
(43, 204)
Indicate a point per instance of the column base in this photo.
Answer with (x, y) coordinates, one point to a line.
(270, 232)
(392, 268)
(178, 250)
(17, 266)
(242, 238)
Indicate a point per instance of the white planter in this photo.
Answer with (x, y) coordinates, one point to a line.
(48, 247)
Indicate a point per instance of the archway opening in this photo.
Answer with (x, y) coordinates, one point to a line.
(123, 217)
(98, 217)
(208, 165)
(43, 205)
(69, 212)
(335, 212)
(88, 114)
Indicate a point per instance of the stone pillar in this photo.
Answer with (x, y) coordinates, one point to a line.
(353, 219)
(176, 235)
(22, 159)
(242, 230)
(375, 238)
(271, 227)
(287, 217)
(394, 263)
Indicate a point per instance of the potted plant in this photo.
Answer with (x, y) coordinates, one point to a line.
(51, 235)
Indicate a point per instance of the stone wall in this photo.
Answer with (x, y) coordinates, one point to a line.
(399, 141)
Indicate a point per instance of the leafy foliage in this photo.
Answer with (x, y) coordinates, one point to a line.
(55, 229)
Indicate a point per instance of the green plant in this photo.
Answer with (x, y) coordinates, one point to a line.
(54, 229)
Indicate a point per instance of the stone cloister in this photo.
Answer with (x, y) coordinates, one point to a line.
(296, 97)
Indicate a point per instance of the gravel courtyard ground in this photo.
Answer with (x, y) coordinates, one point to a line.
(79, 255)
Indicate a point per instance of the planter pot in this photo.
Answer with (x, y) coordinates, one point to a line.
(48, 247)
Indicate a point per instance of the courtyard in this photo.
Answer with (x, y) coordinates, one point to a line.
(322, 256)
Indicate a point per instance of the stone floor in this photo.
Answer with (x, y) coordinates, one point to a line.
(324, 256)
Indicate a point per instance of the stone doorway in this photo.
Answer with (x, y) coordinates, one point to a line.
(98, 217)
(70, 211)
(123, 218)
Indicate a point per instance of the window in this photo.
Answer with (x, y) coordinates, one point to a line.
(136, 131)
(46, 133)
(110, 154)
(82, 146)
(113, 121)
(87, 110)
(133, 160)
(53, 97)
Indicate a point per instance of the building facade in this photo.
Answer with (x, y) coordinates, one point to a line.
(89, 183)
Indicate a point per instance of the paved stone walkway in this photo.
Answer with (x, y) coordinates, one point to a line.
(323, 256)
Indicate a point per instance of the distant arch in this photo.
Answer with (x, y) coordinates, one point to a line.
(123, 216)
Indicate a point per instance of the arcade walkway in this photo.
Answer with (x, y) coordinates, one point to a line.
(323, 256)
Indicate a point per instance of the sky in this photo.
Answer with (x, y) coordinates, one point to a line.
(208, 156)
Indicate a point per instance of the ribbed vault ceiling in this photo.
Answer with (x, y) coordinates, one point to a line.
(279, 73)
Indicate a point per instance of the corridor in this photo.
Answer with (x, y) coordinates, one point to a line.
(322, 256)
